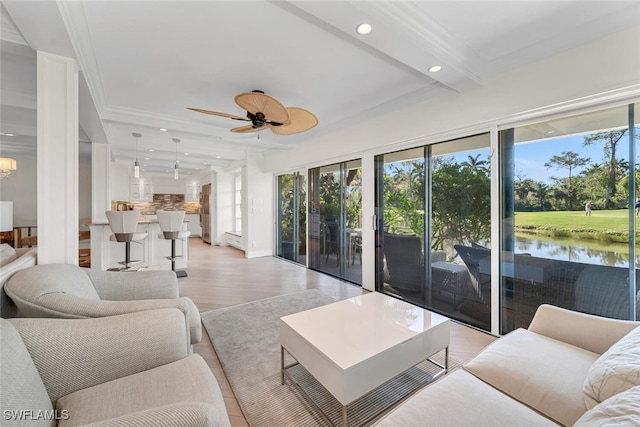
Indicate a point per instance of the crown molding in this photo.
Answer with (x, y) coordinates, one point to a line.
(75, 20)
(8, 30)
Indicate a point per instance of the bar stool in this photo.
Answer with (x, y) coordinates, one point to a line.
(170, 229)
(123, 225)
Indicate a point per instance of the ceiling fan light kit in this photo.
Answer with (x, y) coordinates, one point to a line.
(266, 112)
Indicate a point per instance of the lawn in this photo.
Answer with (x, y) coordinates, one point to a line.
(611, 223)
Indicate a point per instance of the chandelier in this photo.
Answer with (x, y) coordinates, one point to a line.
(7, 164)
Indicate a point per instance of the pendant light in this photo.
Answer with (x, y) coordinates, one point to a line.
(136, 165)
(175, 167)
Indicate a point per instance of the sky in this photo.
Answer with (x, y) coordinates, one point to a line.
(531, 157)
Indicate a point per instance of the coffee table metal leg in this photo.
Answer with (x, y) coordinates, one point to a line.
(281, 365)
(446, 359)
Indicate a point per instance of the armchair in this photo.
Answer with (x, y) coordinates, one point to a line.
(70, 292)
(132, 369)
(405, 270)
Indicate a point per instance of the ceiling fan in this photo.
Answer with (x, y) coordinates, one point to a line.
(266, 112)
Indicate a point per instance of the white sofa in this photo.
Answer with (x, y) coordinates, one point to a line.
(567, 368)
(132, 369)
(70, 292)
(12, 260)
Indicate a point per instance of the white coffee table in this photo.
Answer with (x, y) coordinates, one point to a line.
(354, 346)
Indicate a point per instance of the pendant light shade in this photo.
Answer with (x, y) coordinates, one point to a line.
(176, 175)
(136, 165)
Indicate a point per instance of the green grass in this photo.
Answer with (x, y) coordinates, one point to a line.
(605, 225)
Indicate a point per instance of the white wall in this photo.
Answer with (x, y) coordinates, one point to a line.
(224, 203)
(609, 64)
(21, 188)
(257, 221)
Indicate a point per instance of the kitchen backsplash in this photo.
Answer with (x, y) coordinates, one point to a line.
(169, 202)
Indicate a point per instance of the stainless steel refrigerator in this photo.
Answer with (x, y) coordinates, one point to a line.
(205, 215)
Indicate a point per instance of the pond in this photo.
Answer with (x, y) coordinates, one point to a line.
(576, 250)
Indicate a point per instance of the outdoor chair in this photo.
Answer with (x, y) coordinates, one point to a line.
(404, 264)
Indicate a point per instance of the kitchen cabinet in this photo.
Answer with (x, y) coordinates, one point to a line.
(193, 224)
(141, 189)
(234, 240)
(191, 192)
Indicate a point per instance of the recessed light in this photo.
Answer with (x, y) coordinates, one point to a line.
(435, 69)
(218, 157)
(205, 163)
(163, 130)
(186, 154)
(146, 158)
(364, 29)
(151, 149)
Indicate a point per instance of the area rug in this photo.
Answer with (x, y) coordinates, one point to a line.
(246, 340)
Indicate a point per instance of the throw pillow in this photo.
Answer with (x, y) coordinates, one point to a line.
(620, 410)
(7, 254)
(615, 371)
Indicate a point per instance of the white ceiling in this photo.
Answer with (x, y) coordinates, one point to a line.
(143, 62)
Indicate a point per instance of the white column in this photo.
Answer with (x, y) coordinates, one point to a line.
(57, 182)
(100, 202)
(100, 181)
(257, 215)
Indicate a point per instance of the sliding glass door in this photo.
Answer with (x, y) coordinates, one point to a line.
(335, 215)
(568, 216)
(434, 217)
(291, 240)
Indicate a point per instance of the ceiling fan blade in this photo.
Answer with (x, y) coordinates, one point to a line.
(256, 102)
(300, 120)
(250, 128)
(216, 113)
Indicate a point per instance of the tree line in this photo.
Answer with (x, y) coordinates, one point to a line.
(605, 184)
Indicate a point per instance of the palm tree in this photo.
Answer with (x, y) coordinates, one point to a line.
(475, 164)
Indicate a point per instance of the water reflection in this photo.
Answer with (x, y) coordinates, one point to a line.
(574, 250)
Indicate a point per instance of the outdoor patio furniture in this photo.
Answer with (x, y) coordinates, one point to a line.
(530, 281)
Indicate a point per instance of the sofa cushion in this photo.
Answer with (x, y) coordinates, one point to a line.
(7, 254)
(541, 372)
(616, 370)
(188, 380)
(31, 283)
(623, 409)
(443, 404)
(22, 388)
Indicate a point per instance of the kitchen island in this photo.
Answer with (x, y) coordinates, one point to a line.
(151, 252)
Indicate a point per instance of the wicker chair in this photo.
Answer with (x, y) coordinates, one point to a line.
(532, 281)
(404, 264)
